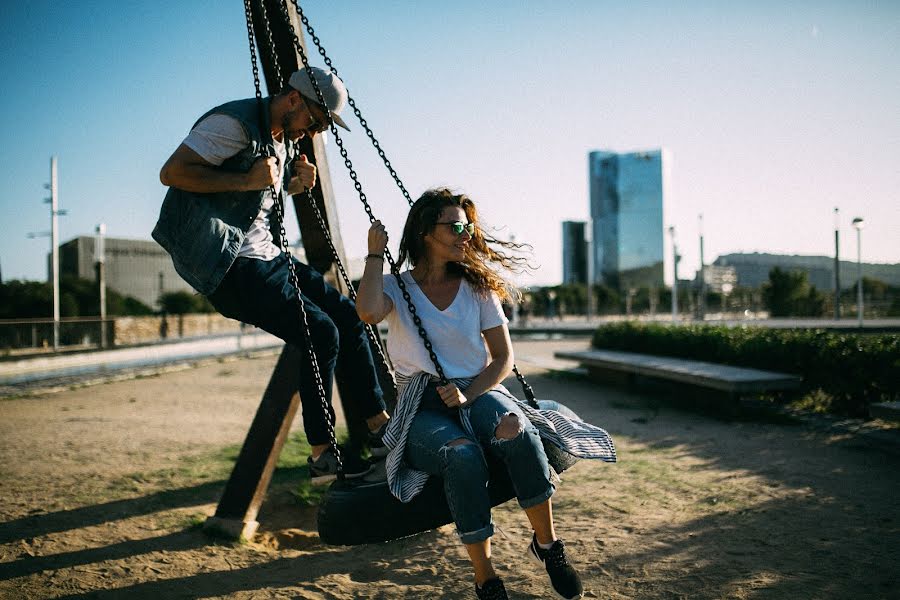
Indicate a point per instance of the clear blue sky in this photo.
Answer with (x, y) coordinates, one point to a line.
(774, 113)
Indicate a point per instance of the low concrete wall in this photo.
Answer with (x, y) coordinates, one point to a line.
(136, 330)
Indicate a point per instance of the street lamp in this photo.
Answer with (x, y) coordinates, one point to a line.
(53, 201)
(858, 224)
(837, 266)
(100, 260)
(701, 301)
(675, 280)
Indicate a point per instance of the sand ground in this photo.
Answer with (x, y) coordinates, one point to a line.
(697, 507)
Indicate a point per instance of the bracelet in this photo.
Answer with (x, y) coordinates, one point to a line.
(378, 256)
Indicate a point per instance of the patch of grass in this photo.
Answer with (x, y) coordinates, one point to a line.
(178, 519)
(203, 473)
(817, 401)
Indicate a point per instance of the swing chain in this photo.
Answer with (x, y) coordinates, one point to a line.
(529, 393)
(370, 332)
(352, 103)
(278, 199)
(363, 199)
(526, 388)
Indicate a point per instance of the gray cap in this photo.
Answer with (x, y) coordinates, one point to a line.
(332, 88)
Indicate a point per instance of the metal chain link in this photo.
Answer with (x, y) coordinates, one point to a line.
(526, 388)
(351, 291)
(278, 199)
(528, 391)
(352, 103)
(322, 224)
(362, 198)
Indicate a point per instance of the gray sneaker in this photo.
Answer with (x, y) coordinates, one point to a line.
(324, 469)
(376, 442)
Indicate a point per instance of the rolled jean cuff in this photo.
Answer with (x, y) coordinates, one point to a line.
(535, 500)
(479, 535)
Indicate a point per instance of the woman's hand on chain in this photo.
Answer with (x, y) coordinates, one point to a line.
(378, 238)
(451, 395)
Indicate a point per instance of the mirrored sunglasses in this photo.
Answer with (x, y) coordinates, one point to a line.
(458, 227)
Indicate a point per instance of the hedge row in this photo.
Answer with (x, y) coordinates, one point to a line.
(853, 370)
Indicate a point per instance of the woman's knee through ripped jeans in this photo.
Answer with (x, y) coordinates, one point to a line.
(439, 445)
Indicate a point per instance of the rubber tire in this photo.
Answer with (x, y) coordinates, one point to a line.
(361, 513)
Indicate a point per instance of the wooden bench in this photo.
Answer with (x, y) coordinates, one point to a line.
(888, 411)
(735, 381)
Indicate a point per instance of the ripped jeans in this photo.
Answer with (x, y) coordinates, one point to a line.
(462, 466)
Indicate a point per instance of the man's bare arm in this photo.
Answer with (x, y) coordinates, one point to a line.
(187, 170)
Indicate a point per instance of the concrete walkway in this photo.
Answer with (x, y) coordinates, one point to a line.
(106, 361)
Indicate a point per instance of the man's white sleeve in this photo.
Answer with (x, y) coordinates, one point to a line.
(217, 138)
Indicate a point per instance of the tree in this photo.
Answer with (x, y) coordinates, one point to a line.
(608, 300)
(77, 298)
(789, 294)
(182, 303)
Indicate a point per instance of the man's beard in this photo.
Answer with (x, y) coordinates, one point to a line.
(286, 120)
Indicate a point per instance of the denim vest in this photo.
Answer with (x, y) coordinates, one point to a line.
(204, 232)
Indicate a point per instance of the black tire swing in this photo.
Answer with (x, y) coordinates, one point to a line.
(359, 512)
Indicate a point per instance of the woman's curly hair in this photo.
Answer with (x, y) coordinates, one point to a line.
(482, 259)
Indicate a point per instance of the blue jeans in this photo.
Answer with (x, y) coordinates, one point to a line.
(260, 293)
(463, 467)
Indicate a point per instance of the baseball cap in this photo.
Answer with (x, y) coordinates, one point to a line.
(333, 90)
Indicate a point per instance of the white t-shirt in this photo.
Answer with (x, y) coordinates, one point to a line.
(216, 139)
(455, 333)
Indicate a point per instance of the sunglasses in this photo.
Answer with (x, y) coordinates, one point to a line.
(458, 227)
(315, 126)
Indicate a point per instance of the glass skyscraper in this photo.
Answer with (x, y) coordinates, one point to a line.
(574, 252)
(628, 216)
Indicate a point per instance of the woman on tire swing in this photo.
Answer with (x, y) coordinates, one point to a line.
(445, 430)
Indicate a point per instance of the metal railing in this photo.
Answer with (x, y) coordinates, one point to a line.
(34, 336)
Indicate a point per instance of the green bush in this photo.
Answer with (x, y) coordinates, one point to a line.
(852, 370)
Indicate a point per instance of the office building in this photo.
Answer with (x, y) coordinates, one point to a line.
(719, 279)
(753, 269)
(628, 218)
(575, 252)
(137, 268)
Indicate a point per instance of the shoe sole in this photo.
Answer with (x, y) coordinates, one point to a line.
(322, 479)
(535, 558)
(325, 479)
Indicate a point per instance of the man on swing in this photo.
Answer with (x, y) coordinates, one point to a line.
(215, 223)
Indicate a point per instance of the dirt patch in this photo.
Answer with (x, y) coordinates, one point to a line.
(103, 488)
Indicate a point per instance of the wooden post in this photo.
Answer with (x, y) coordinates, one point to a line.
(238, 508)
(246, 488)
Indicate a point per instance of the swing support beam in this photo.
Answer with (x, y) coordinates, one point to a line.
(246, 488)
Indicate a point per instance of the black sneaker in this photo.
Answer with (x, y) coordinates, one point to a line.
(324, 469)
(564, 578)
(492, 590)
(376, 442)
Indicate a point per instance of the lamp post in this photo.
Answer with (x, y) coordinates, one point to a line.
(837, 266)
(675, 280)
(701, 301)
(858, 223)
(100, 260)
(54, 251)
(53, 200)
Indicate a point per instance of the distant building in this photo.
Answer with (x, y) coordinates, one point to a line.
(575, 252)
(718, 279)
(138, 268)
(628, 216)
(752, 269)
